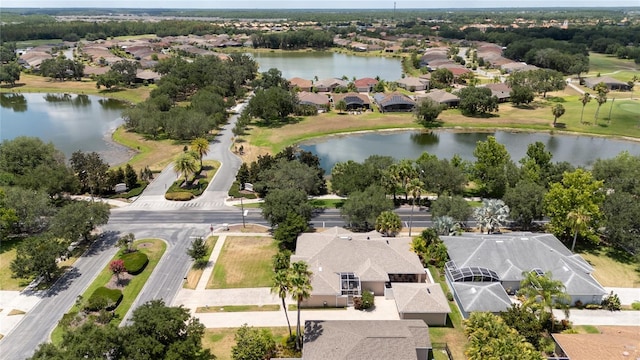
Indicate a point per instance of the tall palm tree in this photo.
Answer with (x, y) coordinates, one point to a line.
(541, 293)
(280, 286)
(493, 214)
(584, 99)
(300, 289)
(406, 172)
(388, 223)
(415, 188)
(601, 98)
(579, 220)
(185, 164)
(201, 147)
(557, 111)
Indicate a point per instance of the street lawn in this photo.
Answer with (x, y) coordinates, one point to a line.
(245, 262)
(613, 268)
(156, 154)
(154, 249)
(609, 65)
(7, 254)
(221, 341)
(327, 203)
(236, 308)
(194, 275)
(29, 83)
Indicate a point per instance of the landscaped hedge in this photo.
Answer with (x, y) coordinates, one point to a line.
(179, 196)
(234, 191)
(104, 298)
(178, 193)
(135, 262)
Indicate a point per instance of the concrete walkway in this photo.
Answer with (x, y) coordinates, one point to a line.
(208, 270)
(601, 317)
(15, 300)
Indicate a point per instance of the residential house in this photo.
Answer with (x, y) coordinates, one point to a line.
(320, 101)
(619, 343)
(354, 101)
(329, 85)
(480, 262)
(611, 83)
(413, 84)
(442, 97)
(513, 66)
(394, 102)
(425, 302)
(300, 83)
(365, 84)
(500, 90)
(147, 76)
(366, 340)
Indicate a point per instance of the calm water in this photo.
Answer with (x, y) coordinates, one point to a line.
(578, 150)
(70, 122)
(325, 65)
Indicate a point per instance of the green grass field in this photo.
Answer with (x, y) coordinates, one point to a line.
(7, 254)
(221, 341)
(244, 262)
(237, 308)
(194, 275)
(620, 69)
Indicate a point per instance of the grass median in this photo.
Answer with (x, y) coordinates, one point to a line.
(237, 308)
(154, 249)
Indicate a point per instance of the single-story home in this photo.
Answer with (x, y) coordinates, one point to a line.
(618, 343)
(413, 83)
(612, 84)
(148, 76)
(442, 97)
(365, 84)
(344, 264)
(500, 90)
(354, 101)
(329, 85)
(394, 102)
(320, 101)
(366, 340)
(480, 297)
(425, 302)
(300, 83)
(479, 262)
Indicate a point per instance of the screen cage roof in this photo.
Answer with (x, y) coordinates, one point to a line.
(471, 273)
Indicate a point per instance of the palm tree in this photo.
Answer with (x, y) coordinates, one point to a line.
(541, 292)
(601, 98)
(388, 223)
(280, 286)
(405, 172)
(341, 106)
(415, 188)
(185, 164)
(300, 289)
(585, 98)
(557, 111)
(493, 214)
(200, 146)
(579, 220)
(446, 225)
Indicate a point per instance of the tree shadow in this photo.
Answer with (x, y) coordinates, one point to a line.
(105, 241)
(289, 120)
(525, 106)
(560, 125)
(313, 330)
(62, 283)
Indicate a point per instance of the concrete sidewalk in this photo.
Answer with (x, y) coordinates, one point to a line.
(15, 300)
(208, 270)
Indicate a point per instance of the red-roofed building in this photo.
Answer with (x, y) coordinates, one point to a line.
(365, 84)
(300, 83)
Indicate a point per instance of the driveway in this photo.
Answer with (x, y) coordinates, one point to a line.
(601, 317)
(627, 296)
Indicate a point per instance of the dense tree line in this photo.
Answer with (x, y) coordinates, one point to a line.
(209, 84)
(291, 40)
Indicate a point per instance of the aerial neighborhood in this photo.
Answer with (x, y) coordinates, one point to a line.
(264, 183)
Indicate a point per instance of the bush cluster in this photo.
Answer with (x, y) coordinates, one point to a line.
(366, 301)
(104, 298)
(135, 262)
(179, 196)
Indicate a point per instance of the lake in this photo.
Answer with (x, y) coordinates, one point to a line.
(70, 122)
(325, 65)
(577, 150)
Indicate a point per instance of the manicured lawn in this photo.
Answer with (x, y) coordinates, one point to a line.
(39, 84)
(453, 334)
(327, 203)
(245, 262)
(237, 308)
(194, 275)
(613, 268)
(153, 248)
(221, 341)
(156, 154)
(7, 254)
(620, 69)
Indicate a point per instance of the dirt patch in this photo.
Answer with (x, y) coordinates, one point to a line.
(250, 228)
(114, 283)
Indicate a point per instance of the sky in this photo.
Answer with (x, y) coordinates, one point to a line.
(301, 4)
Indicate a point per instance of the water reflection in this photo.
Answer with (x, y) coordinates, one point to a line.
(577, 150)
(112, 104)
(77, 101)
(15, 102)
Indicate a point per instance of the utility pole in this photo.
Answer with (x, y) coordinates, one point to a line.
(243, 214)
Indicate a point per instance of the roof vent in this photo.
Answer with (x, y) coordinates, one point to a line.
(473, 290)
(524, 238)
(320, 268)
(499, 241)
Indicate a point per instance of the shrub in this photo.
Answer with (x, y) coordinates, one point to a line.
(104, 298)
(578, 304)
(593, 307)
(179, 196)
(611, 302)
(635, 306)
(368, 300)
(234, 191)
(135, 262)
(449, 296)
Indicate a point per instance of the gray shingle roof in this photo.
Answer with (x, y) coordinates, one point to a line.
(338, 250)
(441, 96)
(511, 254)
(489, 297)
(393, 99)
(420, 298)
(365, 339)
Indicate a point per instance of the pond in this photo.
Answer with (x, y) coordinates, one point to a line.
(577, 150)
(70, 122)
(308, 65)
